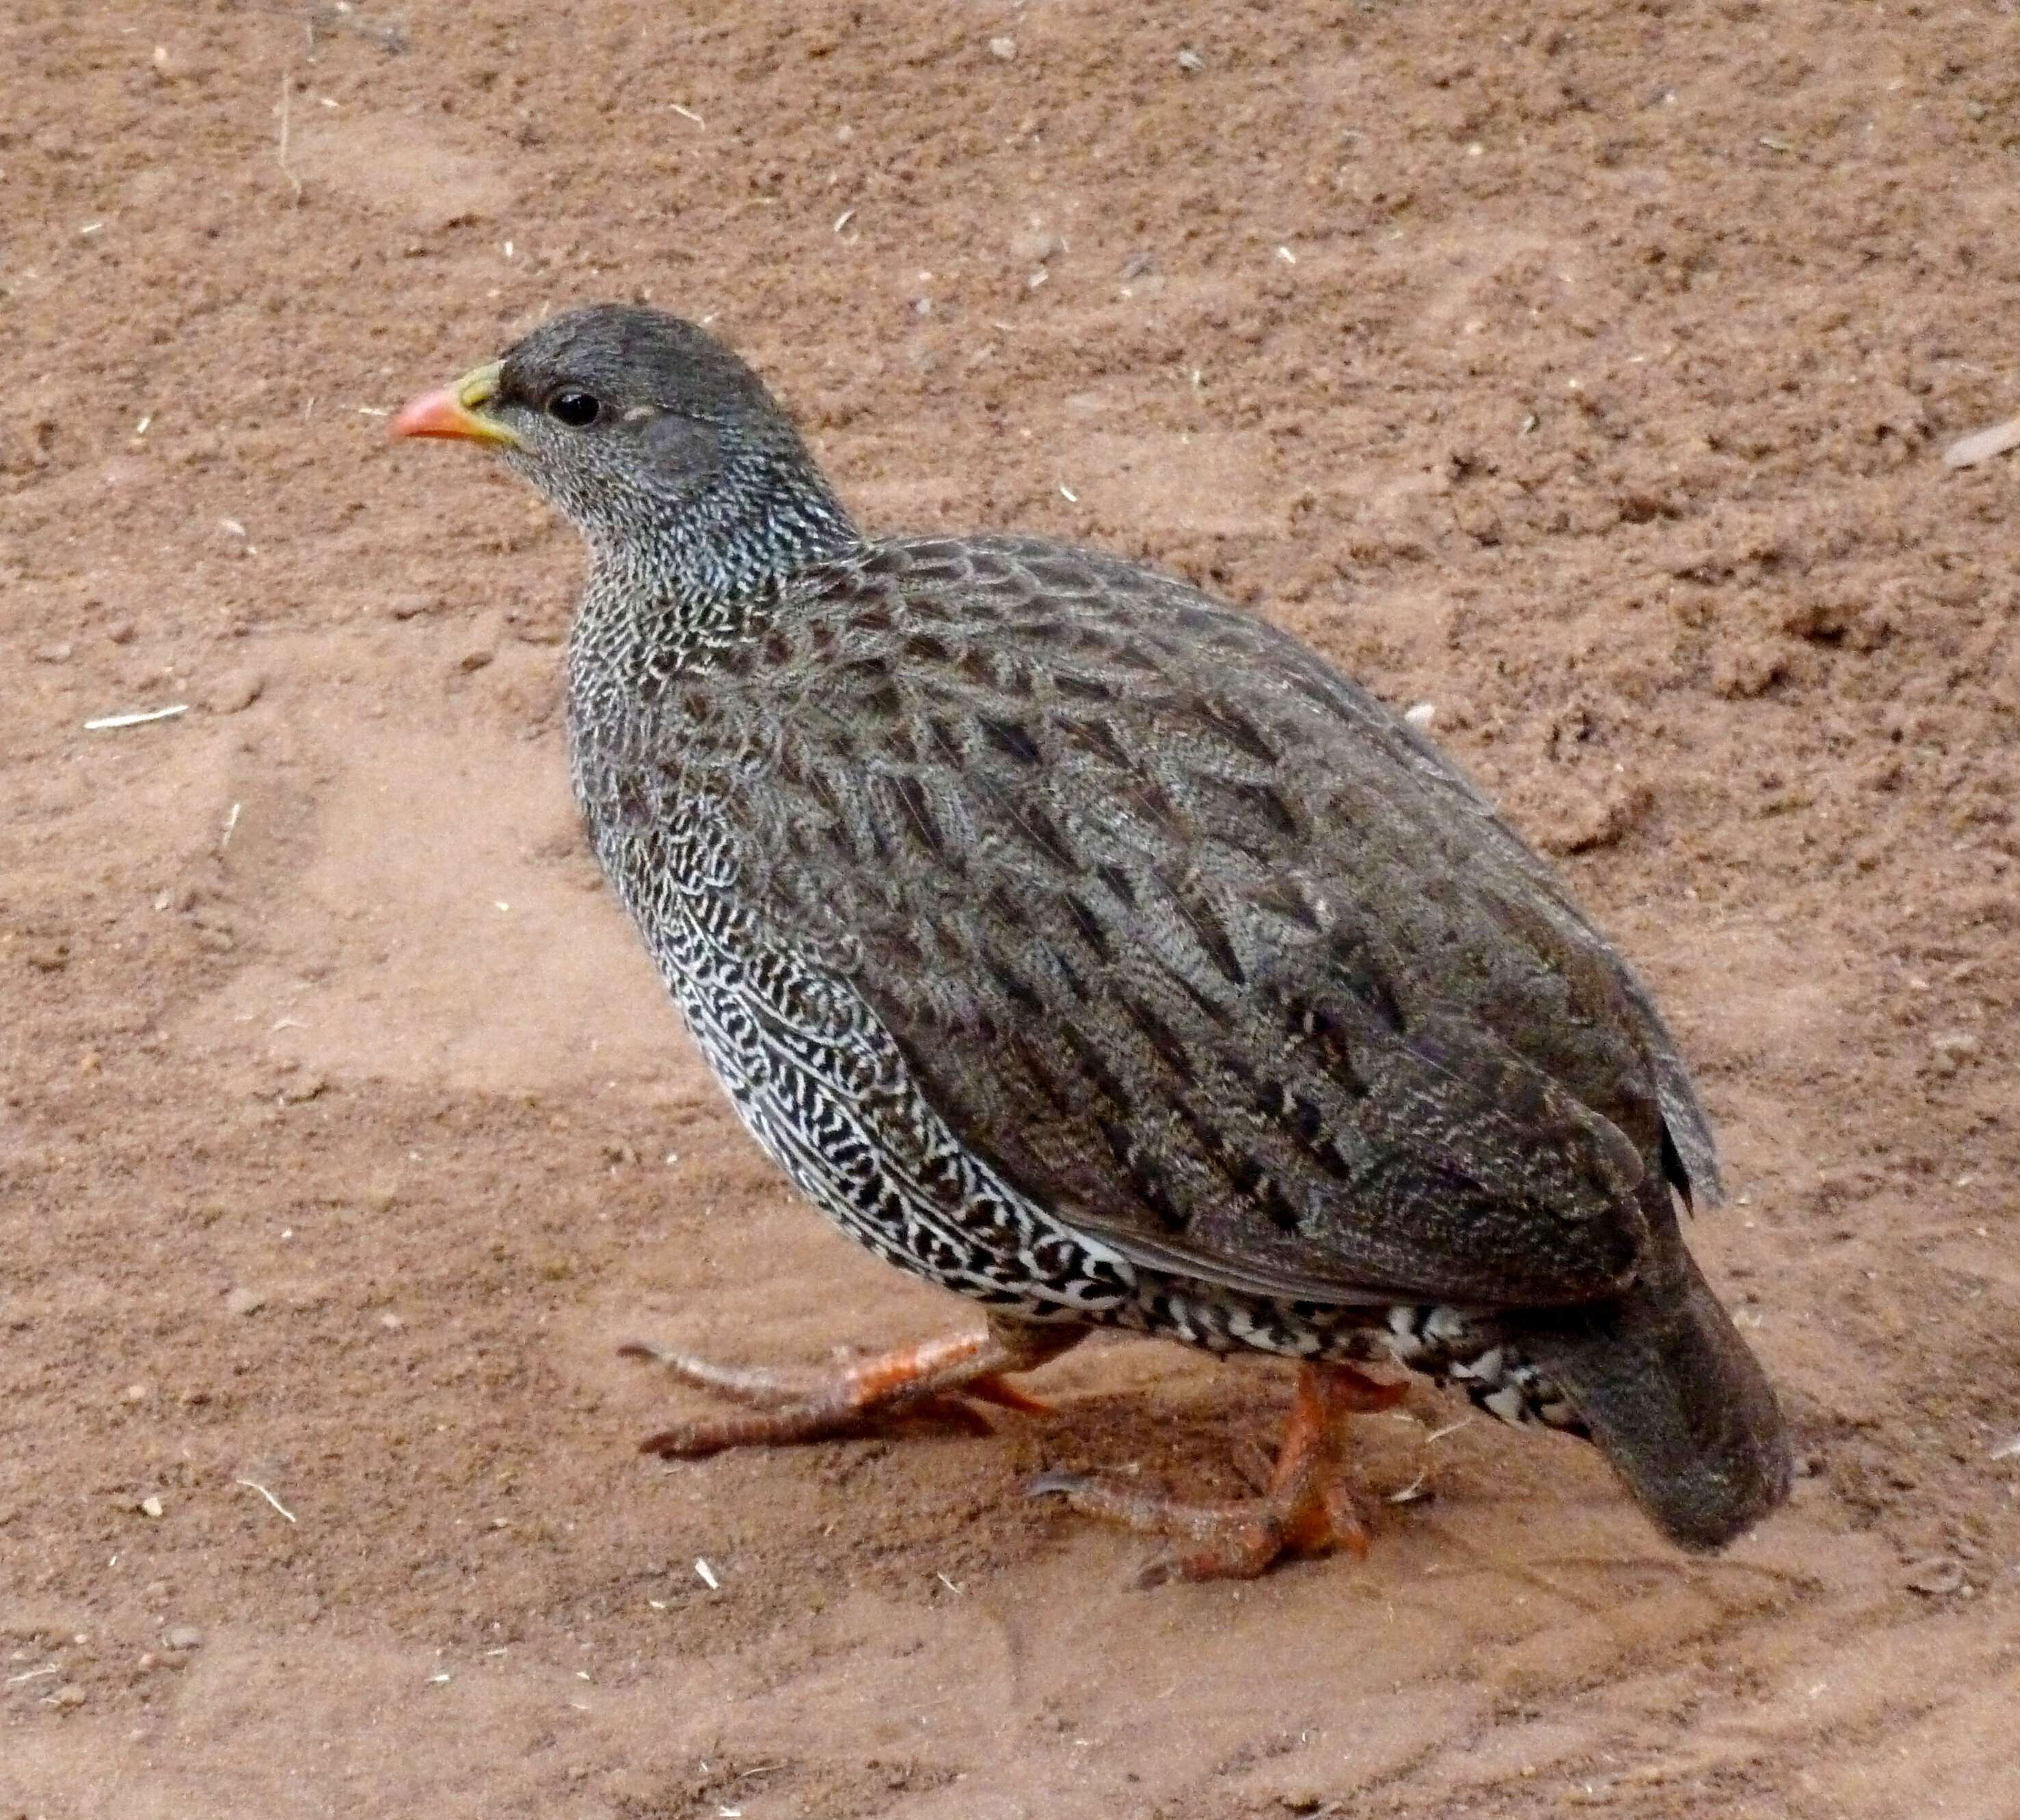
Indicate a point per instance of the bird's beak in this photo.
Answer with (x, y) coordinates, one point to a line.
(457, 411)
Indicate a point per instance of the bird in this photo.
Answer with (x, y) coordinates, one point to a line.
(1094, 950)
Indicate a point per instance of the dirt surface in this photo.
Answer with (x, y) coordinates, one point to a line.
(1581, 370)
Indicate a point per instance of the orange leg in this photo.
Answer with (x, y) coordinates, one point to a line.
(943, 1378)
(1308, 1510)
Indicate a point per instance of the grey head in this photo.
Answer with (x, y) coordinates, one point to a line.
(663, 448)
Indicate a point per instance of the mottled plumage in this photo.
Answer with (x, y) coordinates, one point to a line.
(1093, 949)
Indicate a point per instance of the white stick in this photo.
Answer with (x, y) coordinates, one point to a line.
(106, 721)
(1983, 445)
(254, 1485)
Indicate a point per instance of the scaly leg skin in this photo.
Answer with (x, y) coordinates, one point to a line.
(1308, 1510)
(938, 1378)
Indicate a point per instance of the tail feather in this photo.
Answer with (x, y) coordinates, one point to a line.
(1674, 1398)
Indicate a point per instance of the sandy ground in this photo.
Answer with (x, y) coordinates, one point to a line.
(1582, 370)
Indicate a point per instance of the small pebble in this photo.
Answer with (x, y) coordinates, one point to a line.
(1935, 1576)
(480, 642)
(1952, 1049)
(181, 1636)
(120, 632)
(1003, 49)
(1421, 715)
(1035, 245)
(68, 1698)
(298, 1089)
(234, 691)
(1191, 62)
(150, 1506)
(245, 1301)
(58, 653)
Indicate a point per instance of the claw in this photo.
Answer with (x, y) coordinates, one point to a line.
(992, 1387)
(1158, 1570)
(1309, 1508)
(949, 1410)
(940, 1380)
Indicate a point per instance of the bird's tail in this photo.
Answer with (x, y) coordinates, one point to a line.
(1674, 1398)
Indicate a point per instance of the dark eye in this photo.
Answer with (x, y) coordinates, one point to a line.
(576, 409)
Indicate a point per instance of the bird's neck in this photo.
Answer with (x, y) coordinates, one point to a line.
(688, 576)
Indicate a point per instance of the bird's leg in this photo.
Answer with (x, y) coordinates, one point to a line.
(943, 1378)
(1309, 1508)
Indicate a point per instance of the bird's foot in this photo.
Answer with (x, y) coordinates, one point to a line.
(1308, 1509)
(940, 1379)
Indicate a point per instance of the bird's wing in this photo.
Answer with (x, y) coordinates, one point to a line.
(1191, 939)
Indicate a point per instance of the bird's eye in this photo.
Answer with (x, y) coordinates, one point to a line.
(576, 409)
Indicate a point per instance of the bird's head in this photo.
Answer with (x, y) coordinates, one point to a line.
(661, 445)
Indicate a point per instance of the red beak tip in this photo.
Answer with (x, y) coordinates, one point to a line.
(437, 413)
